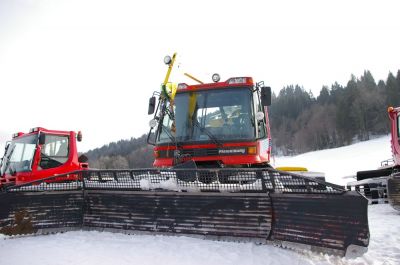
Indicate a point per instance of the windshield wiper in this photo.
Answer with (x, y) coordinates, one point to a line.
(169, 134)
(206, 131)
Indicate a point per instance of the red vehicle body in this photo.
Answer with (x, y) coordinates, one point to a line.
(395, 132)
(39, 154)
(393, 182)
(222, 124)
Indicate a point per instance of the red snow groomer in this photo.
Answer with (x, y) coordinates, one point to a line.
(212, 179)
(382, 185)
(217, 125)
(40, 154)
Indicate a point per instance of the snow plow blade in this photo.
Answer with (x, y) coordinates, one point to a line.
(256, 205)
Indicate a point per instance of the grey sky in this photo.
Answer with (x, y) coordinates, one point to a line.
(92, 65)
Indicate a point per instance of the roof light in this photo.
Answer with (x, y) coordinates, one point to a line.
(182, 86)
(34, 130)
(237, 80)
(167, 60)
(216, 77)
(18, 134)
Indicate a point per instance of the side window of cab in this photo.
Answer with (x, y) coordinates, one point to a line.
(55, 151)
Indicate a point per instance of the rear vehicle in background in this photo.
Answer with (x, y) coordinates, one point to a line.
(382, 185)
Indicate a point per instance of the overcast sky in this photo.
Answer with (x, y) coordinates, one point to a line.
(92, 65)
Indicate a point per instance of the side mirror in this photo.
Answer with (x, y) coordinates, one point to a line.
(42, 139)
(83, 159)
(152, 105)
(266, 96)
(79, 136)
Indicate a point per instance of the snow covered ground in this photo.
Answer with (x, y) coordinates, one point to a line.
(107, 248)
(341, 162)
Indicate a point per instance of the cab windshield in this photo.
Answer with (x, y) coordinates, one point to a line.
(19, 155)
(223, 114)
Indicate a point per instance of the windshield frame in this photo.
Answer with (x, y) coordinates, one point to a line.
(222, 138)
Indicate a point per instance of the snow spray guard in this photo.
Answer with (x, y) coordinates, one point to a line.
(256, 205)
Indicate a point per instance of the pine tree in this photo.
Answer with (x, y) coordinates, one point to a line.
(324, 96)
(392, 91)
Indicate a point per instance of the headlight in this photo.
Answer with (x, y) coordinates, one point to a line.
(259, 116)
(153, 123)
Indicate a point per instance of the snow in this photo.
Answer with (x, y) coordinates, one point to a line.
(111, 248)
(168, 184)
(338, 163)
(107, 248)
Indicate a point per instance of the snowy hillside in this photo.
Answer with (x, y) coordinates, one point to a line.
(107, 248)
(343, 161)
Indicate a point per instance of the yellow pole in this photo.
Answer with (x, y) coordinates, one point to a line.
(194, 78)
(169, 69)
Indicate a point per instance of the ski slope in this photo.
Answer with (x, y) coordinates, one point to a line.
(101, 248)
(342, 162)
